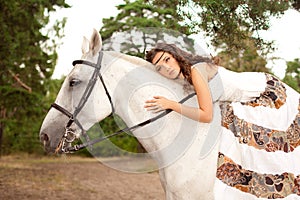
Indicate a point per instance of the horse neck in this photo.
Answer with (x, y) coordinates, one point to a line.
(131, 83)
(124, 76)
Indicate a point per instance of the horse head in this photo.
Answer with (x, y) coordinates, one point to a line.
(75, 100)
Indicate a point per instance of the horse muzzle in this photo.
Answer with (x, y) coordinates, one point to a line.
(58, 145)
(51, 136)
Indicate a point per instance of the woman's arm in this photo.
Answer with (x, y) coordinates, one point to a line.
(203, 113)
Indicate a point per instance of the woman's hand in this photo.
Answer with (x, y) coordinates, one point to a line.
(158, 104)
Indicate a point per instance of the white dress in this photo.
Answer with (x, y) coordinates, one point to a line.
(259, 154)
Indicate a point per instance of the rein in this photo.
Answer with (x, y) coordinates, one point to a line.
(86, 144)
(69, 136)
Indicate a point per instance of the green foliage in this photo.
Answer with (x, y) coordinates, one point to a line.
(125, 140)
(19, 129)
(231, 25)
(138, 14)
(292, 74)
(244, 60)
(27, 63)
(117, 145)
(138, 17)
(228, 23)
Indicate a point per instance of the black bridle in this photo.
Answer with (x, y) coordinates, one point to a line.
(69, 136)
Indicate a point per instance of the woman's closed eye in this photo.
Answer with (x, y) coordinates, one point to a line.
(167, 58)
(158, 68)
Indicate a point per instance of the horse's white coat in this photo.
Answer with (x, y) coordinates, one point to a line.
(174, 141)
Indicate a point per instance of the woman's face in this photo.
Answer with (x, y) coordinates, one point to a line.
(166, 65)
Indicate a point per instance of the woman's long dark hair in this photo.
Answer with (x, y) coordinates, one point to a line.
(184, 59)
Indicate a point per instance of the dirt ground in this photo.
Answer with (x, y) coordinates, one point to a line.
(57, 178)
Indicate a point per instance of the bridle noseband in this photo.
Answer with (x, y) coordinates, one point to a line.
(69, 136)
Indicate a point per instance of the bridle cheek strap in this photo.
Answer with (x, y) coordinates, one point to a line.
(87, 92)
(73, 116)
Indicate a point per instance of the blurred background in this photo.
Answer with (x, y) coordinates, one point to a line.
(40, 39)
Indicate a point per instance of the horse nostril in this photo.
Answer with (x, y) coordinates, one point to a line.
(45, 137)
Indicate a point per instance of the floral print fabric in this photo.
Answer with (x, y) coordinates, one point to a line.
(270, 186)
(261, 185)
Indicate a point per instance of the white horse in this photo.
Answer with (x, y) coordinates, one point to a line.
(173, 141)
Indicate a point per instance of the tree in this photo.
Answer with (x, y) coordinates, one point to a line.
(228, 23)
(151, 22)
(232, 25)
(244, 60)
(27, 62)
(139, 14)
(296, 4)
(292, 74)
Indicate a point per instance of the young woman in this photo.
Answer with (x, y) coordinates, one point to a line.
(174, 63)
(260, 120)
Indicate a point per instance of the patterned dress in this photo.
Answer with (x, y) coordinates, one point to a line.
(259, 154)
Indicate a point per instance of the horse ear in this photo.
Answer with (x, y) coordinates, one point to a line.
(85, 46)
(96, 42)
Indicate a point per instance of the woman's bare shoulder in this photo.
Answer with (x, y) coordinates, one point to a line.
(208, 70)
(200, 64)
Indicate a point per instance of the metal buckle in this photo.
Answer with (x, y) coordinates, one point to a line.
(67, 140)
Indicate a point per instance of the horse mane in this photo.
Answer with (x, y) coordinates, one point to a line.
(132, 59)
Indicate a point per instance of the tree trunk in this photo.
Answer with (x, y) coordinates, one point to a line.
(1, 136)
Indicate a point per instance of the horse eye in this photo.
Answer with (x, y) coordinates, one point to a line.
(74, 82)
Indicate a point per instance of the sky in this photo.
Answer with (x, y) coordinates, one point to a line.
(86, 15)
(82, 18)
